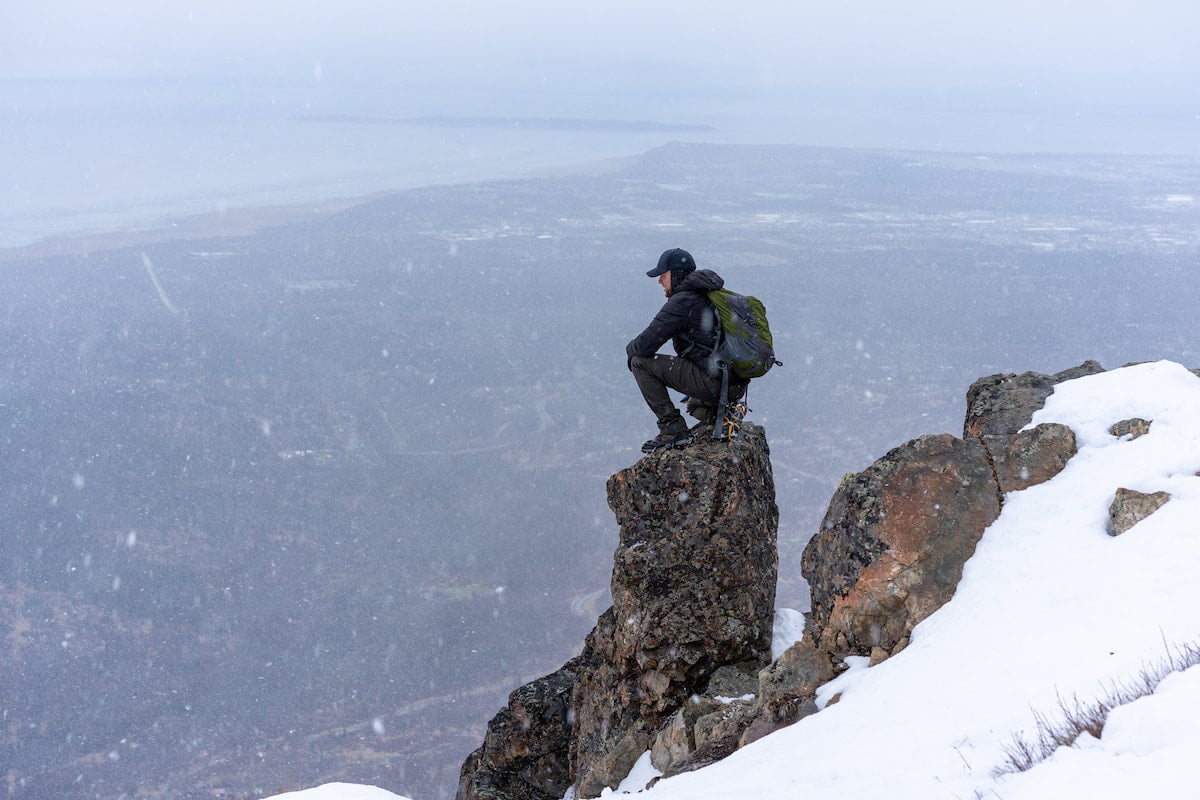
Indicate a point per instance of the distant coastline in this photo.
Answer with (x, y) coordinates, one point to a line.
(234, 222)
(246, 220)
(526, 123)
(93, 165)
(105, 162)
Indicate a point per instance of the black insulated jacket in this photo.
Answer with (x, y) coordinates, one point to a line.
(687, 319)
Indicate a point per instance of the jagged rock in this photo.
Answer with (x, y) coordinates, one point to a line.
(1032, 456)
(693, 590)
(793, 677)
(1133, 428)
(717, 734)
(787, 689)
(725, 725)
(614, 765)
(1129, 508)
(693, 593)
(765, 722)
(1000, 405)
(524, 756)
(894, 540)
(693, 604)
(676, 741)
(732, 682)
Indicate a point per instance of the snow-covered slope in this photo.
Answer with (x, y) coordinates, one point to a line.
(340, 791)
(1050, 608)
(1052, 612)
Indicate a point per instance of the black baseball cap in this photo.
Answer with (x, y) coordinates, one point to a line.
(674, 259)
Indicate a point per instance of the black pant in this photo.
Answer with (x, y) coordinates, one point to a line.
(655, 374)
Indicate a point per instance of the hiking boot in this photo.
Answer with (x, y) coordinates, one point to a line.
(665, 441)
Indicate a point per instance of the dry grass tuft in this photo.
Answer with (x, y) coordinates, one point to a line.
(1075, 717)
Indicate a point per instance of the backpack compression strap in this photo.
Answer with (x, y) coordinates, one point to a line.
(723, 405)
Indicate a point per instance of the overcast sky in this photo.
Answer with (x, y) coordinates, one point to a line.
(1127, 47)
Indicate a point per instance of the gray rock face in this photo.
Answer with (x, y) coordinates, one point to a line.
(1003, 404)
(693, 590)
(1129, 508)
(892, 546)
(999, 406)
(671, 667)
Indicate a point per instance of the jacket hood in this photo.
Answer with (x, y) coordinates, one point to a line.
(701, 280)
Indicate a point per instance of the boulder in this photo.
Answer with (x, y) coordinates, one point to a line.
(1128, 508)
(893, 543)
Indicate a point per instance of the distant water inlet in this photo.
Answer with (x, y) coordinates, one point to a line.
(74, 166)
(88, 157)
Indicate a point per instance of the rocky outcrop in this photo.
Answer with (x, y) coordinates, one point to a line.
(896, 536)
(679, 665)
(693, 590)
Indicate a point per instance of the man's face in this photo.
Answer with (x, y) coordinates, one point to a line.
(664, 281)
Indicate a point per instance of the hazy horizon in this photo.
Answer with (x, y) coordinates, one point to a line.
(137, 112)
(1101, 54)
(261, 491)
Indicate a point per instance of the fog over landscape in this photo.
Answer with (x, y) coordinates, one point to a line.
(297, 484)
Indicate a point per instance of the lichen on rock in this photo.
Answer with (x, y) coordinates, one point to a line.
(892, 545)
(1129, 507)
(680, 664)
(693, 589)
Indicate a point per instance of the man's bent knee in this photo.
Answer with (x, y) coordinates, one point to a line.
(636, 362)
(644, 364)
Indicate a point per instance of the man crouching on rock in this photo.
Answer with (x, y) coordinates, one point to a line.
(689, 321)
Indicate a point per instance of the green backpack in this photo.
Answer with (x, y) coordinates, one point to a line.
(745, 342)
